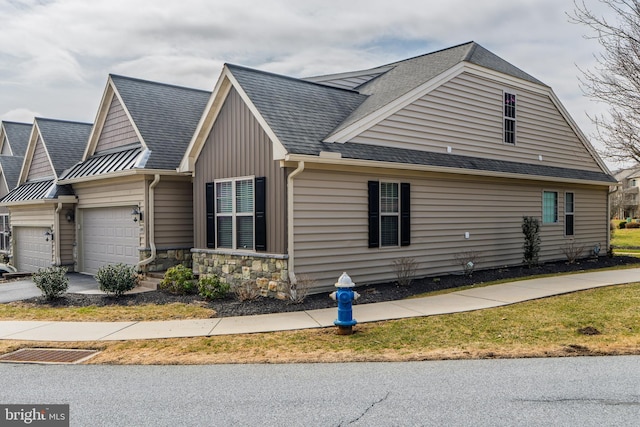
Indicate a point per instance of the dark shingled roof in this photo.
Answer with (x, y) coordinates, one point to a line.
(408, 74)
(18, 136)
(11, 166)
(65, 141)
(425, 158)
(165, 115)
(301, 113)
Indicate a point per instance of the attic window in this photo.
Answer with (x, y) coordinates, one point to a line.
(509, 118)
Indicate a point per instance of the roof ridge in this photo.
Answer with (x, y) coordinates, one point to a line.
(111, 75)
(429, 53)
(61, 121)
(283, 76)
(16, 123)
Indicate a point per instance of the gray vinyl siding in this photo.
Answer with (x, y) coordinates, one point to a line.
(112, 193)
(174, 214)
(237, 146)
(466, 115)
(40, 166)
(117, 130)
(331, 229)
(67, 236)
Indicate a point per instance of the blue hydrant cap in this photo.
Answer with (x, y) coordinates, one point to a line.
(345, 281)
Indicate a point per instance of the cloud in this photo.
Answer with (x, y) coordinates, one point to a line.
(22, 115)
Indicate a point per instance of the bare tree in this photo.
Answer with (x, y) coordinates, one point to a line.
(616, 78)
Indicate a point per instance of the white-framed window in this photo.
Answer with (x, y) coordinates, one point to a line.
(5, 232)
(509, 109)
(569, 212)
(389, 214)
(234, 207)
(549, 207)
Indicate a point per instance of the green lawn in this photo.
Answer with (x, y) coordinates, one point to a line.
(626, 238)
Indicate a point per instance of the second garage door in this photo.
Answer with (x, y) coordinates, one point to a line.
(33, 249)
(109, 236)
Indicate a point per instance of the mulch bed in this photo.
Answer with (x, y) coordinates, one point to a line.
(230, 306)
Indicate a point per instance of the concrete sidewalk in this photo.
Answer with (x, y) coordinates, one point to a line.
(466, 300)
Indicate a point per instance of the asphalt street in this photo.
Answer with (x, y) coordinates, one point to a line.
(587, 391)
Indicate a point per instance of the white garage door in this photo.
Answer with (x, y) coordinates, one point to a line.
(109, 236)
(32, 250)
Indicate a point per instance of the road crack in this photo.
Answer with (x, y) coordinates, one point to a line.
(359, 417)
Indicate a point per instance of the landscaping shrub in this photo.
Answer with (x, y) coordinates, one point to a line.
(573, 251)
(467, 261)
(179, 280)
(405, 270)
(51, 281)
(531, 231)
(623, 224)
(246, 291)
(116, 279)
(632, 225)
(299, 290)
(210, 287)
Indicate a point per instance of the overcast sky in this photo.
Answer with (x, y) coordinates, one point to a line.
(55, 55)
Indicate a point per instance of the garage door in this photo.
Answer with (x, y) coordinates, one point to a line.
(109, 236)
(32, 250)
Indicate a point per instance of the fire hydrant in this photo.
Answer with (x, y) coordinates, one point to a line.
(345, 296)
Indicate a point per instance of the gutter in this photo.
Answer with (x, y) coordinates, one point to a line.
(290, 234)
(151, 223)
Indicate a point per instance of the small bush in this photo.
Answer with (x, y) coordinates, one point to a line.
(623, 224)
(210, 288)
(179, 280)
(572, 251)
(299, 290)
(51, 281)
(468, 260)
(633, 225)
(246, 291)
(405, 270)
(117, 279)
(531, 248)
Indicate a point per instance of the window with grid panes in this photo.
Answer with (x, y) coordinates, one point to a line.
(509, 118)
(235, 214)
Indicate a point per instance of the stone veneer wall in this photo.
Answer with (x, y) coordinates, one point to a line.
(166, 258)
(269, 271)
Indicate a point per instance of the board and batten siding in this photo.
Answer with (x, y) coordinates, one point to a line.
(466, 114)
(40, 166)
(237, 146)
(173, 214)
(66, 235)
(117, 129)
(331, 228)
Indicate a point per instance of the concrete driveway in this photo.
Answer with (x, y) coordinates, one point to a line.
(25, 288)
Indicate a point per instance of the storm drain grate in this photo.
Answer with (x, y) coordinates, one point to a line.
(48, 355)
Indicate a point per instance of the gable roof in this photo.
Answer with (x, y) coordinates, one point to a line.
(11, 166)
(63, 140)
(18, 136)
(309, 117)
(165, 116)
(402, 77)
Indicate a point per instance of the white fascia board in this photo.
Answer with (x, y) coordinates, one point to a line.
(279, 151)
(205, 124)
(393, 107)
(438, 169)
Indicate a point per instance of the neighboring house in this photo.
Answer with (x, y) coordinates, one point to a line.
(14, 138)
(427, 158)
(41, 209)
(624, 198)
(132, 205)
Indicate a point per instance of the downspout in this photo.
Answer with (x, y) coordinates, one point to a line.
(290, 234)
(149, 212)
(56, 235)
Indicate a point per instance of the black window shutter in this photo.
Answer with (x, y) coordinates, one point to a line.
(405, 214)
(261, 214)
(211, 215)
(374, 214)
